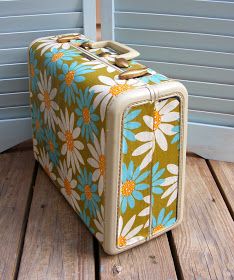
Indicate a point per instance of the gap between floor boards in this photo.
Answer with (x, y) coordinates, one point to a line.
(219, 186)
(25, 223)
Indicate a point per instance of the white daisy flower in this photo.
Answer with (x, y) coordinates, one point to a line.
(146, 210)
(99, 223)
(159, 127)
(96, 50)
(69, 135)
(46, 96)
(51, 43)
(173, 181)
(98, 160)
(35, 148)
(97, 64)
(127, 235)
(111, 88)
(68, 185)
(46, 164)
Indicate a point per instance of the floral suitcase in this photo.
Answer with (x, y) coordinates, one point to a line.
(111, 134)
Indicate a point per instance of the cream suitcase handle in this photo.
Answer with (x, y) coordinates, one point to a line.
(125, 51)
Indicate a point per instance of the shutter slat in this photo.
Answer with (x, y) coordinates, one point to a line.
(218, 105)
(211, 118)
(41, 21)
(14, 99)
(193, 72)
(174, 23)
(13, 85)
(13, 55)
(180, 7)
(23, 39)
(209, 89)
(10, 8)
(14, 112)
(186, 56)
(13, 70)
(175, 39)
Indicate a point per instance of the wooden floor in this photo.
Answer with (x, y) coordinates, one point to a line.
(42, 238)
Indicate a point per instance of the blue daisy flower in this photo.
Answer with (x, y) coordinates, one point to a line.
(80, 41)
(132, 185)
(154, 77)
(37, 124)
(176, 137)
(134, 62)
(89, 192)
(52, 146)
(156, 181)
(54, 59)
(162, 221)
(86, 219)
(129, 125)
(71, 75)
(86, 116)
(34, 71)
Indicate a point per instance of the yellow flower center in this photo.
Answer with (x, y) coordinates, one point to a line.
(69, 77)
(127, 188)
(157, 120)
(122, 241)
(102, 162)
(51, 145)
(67, 186)
(117, 89)
(56, 56)
(32, 70)
(88, 193)
(86, 115)
(158, 228)
(47, 100)
(69, 140)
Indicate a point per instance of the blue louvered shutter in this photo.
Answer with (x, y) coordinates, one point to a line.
(192, 41)
(20, 23)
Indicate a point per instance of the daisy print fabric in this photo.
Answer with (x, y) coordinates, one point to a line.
(68, 129)
(149, 178)
(111, 88)
(158, 128)
(47, 96)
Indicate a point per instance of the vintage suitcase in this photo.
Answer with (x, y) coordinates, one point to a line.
(111, 135)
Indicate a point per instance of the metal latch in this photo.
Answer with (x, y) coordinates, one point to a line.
(133, 73)
(68, 38)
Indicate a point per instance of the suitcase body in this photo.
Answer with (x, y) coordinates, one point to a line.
(114, 144)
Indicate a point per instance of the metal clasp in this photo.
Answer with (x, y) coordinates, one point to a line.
(68, 38)
(133, 73)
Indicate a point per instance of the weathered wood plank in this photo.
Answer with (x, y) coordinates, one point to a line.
(152, 260)
(57, 244)
(16, 172)
(224, 175)
(204, 242)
